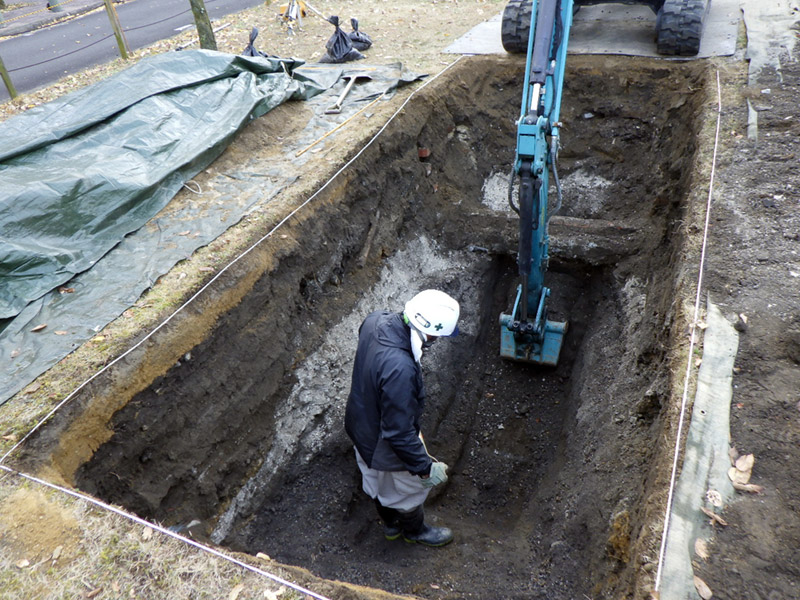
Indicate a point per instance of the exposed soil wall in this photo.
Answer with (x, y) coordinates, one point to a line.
(240, 425)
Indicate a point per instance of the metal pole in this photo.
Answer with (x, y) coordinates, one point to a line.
(203, 23)
(12, 91)
(112, 16)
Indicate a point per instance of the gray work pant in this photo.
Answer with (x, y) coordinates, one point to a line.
(400, 490)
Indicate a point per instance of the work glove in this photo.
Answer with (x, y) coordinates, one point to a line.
(438, 475)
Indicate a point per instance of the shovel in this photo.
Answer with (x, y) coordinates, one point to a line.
(337, 108)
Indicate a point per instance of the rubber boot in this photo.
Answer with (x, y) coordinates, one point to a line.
(391, 521)
(416, 531)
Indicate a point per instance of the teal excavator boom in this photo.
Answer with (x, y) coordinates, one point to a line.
(542, 27)
(526, 334)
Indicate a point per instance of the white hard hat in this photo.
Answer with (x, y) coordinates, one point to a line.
(433, 312)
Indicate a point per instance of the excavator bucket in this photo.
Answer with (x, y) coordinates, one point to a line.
(538, 342)
(545, 352)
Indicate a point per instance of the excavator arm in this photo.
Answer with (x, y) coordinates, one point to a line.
(542, 27)
(526, 334)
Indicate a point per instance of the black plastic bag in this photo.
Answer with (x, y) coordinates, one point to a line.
(360, 40)
(250, 49)
(339, 47)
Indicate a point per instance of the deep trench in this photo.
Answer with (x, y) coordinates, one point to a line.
(550, 467)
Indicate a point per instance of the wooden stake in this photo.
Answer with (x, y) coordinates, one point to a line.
(12, 91)
(112, 16)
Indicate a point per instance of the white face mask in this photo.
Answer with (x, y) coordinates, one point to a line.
(416, 344)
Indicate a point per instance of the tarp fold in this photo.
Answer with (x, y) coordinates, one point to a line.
(80, 173)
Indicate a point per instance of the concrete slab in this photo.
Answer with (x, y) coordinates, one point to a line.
(616, 29)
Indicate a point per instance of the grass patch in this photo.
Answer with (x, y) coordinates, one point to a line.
(92, 553)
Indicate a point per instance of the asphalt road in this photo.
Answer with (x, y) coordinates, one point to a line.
(45, 55)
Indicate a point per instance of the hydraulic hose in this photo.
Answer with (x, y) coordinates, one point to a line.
(556, 180)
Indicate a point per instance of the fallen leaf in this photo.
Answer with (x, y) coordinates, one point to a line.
(66, 290)
(702, 325)
(434, 586)
(737, 476)
(39, 327)
(206, 269)
(21, 564)
(98, 338)
(61, 333)
(746, 462)
(748, 487)
(34, 387)
(236, 591)
(95, 592)
(698, 362)
(714, 497)
(147, 533)
(702, 588)
(57, 553)
(701, 548)
(263, 556)
(714, 516)
(187, 232)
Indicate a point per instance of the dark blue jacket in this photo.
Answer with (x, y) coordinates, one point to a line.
(387, 397)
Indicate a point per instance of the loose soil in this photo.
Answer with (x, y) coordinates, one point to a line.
(36, 527)
(559, 475)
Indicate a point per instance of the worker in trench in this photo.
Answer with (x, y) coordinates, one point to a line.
(386, 400)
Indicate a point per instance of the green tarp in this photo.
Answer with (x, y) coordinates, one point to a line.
(79, 174)
(113, 283)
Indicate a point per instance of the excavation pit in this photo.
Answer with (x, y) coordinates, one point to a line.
(552, 479)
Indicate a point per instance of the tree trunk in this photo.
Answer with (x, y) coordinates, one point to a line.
(203, 23)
